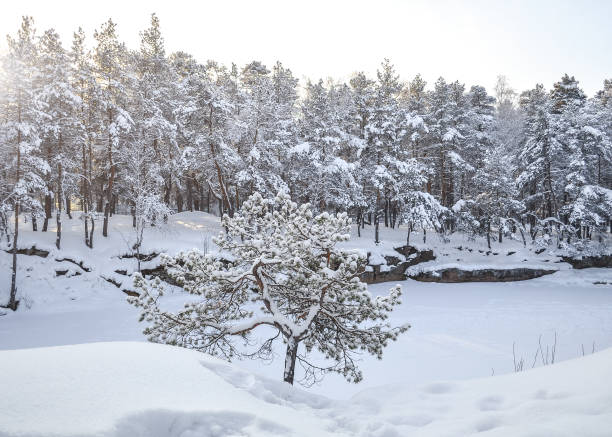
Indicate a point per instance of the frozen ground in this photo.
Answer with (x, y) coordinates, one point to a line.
(459, 331)
(147, 390)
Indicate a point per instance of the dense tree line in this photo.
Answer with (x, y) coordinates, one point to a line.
(142, 132)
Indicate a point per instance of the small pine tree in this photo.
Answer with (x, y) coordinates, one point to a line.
(282, 269)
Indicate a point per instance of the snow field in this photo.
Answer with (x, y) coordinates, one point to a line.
(126, 389)
(459, 332)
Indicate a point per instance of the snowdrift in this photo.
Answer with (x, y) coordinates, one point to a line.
(141, 389)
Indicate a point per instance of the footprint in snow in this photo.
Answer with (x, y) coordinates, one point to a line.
(439, 388)
(487, 424)
(490, 403)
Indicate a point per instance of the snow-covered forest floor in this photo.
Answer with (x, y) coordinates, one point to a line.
(459, 331)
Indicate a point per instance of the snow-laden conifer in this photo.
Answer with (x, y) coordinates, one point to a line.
(279, 267)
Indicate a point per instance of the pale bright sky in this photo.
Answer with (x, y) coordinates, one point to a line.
(471, 40)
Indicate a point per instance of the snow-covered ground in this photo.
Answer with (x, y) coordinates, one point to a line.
(146, 390)
(459, 331)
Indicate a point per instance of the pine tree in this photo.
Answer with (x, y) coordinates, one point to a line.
(285, 272)
(86, 126)
(384, 134)
(154, 106)
(20, 133)
(539, 155)
(61, 103)
(110, 58)
(508, 119)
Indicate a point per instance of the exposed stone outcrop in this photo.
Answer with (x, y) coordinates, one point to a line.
(480, 275)
(158, 271)
(141, 257)
(79, 263)
(30, 251)
(589, 261)
(395, 269)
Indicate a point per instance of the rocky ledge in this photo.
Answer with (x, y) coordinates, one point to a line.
(586, 262)
(454, 274)
(395, 267)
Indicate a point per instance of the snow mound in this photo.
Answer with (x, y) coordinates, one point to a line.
(138, 389)
(143, 389)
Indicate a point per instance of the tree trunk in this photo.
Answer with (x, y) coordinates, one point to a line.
(237, 197)
(189, 194)
(60, 197)
(167, 191)
(105, 222)
(179, 200)
(386, 213)
(58, 231)
(111, 179)
(68, 207)
(91, 232)
(424, 235)
(100, 200)
(376, 228)
(201, 188)
(84, 195)
(86, 223)
(442, 181)
(34, 223)
(12, 303)
(489, 234)
(290, 358)
(47, 212)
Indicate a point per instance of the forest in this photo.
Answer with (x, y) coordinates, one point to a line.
(111, 130)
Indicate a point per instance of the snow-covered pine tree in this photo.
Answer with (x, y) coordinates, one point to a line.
(283, 270)
(110, 56)
(414, 101)
(384, 132)
(602, 106)
(264, 128)
(363, 95)
(494, 201)
(194, 159)
(446, 135)
(539, 157)
(323, 166)
(58, 130)
(142, 184)
(470, 118)
(492, 188)
(22, 117)
(86, 88)
(421, 210)
(154, 106)
(582, 132)
(212, 128)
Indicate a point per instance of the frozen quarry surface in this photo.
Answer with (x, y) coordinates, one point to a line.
(107, 381)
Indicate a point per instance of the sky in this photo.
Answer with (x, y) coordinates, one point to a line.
(472, 41)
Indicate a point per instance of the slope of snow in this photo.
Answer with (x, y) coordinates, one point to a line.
(37, 281)
(128, 389)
